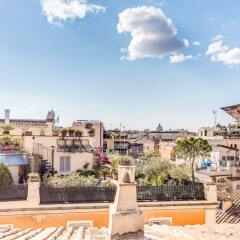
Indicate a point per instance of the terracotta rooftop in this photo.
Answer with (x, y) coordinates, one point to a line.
(233, 111)
(154, 232)
(26, 122)
(232, 215)
(193, 232)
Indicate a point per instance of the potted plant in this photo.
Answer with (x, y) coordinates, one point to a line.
(33, 177)
(91, 132)
(64, 133)
(70, 132)
(17, 143)
(6, 129)
(55, 132)
(88, 125)
(78, 133)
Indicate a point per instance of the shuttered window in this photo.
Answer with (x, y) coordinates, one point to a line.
(65, 164)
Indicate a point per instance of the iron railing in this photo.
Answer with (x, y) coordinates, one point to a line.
(13, 192)
(107, 194)
(76, 194)
(171, 192)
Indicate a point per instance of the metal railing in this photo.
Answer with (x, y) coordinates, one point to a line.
(13, 192)
(77, 194)
(43, 151)
(171, 192)
(107, 194)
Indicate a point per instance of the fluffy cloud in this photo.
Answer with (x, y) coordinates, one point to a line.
(178, 58)
(63, 10)
(153, 34)
(196, 43)
(228, 57)
(216, 47)
(221, 53)
(217, 38)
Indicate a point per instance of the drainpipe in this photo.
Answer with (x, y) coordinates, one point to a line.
(52, 156)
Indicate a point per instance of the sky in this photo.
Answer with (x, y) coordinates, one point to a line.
(134, 62)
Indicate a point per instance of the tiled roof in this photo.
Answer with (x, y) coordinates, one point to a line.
(25, 122)
(51, 233)
(154, 232)
(193, 232)
(232, 215)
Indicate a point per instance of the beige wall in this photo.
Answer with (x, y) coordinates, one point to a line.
(78, 159)
(18, 130)
(97, 139)
(167, 151)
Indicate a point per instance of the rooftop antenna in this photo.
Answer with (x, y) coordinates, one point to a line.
(215, 117)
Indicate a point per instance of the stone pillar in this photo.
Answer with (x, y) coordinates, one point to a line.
(211, 192)
(123, 169)
(210, 215)
(33, 191)
(125, 218)
(211, 197)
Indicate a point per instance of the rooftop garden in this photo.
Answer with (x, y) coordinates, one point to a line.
(9, 143)
(114, 134)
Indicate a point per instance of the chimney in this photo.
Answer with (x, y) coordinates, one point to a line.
(7, 116)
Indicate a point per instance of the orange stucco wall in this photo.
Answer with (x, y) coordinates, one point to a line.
(99, 218)
(179, 217)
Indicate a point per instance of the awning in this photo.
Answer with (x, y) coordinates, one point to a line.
(13, 159)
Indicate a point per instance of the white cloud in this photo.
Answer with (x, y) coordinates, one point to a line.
(153, 34)
(228, 57)
(196, 43)
(221, 53)
(216, 47)
(217, 38)
(63, 10)
(178, 58)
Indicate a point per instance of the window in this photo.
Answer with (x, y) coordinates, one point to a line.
(65, 164)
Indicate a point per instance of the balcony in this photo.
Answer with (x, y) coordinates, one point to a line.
(9, 148)
(73, 145)
(121, 146)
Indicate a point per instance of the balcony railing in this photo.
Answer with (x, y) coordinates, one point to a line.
(9, 148)
(73, 145)
(107, 194)
(13, 192)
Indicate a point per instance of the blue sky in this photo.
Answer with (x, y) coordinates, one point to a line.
(81, 62)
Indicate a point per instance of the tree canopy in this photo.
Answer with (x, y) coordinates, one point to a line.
(192, 148)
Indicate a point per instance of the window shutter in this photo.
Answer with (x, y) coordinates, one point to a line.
(61, 166)
(68, 164)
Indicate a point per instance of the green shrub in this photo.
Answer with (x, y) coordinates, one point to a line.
(157, 171)
(117, 159)
(180, 174)
(107, 184)
(71, 180)
(5, 175)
